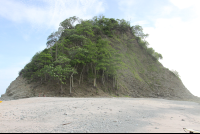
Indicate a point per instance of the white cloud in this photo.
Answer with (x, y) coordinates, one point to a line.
(167, 10)
(181, 4)
(141, 23)
(176, 38)
(51, 13)
(99, 8)
(179, 44)
(126, 6)
(192, 6)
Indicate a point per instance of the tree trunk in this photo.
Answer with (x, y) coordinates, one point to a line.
(82, 78)
(94, 77)
(116, 86)
(103, 77)
(70, 86)
(107, 76)
(72, 81)
(96, 73)
(81, 75)
(92, 68)
(113, 81)
(79, 80)
(117, 83)
(87, 68)
(61, 88)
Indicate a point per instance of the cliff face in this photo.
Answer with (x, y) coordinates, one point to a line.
(143, 77)
(17, 89)
(146, 77)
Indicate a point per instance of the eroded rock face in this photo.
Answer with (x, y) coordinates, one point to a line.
(18, 89)
(146, 77)
(170, 88)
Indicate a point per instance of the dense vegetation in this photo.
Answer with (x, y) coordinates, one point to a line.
(83, 48)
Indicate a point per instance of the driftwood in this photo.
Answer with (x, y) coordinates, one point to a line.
(191, 130)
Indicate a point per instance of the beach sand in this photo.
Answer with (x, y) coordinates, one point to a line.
(65, 115)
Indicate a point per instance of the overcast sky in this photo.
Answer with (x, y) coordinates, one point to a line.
(173, 27)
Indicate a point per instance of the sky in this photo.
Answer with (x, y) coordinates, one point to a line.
(173, 27)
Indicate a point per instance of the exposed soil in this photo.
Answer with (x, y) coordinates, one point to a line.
(20, 88)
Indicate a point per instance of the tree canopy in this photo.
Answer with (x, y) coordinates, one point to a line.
(74, 49)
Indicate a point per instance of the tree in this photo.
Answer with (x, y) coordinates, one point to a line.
(85, 29)
(83, 49)
(137, 30)
(176, 73)
(123, 25)
(61, 70)
(53, 38)
(157, 56)
(68, 23)
(150, 51)
(77, 39)
(45, 59)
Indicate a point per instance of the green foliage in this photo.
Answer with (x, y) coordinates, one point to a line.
(68, 23)
(138, 32)
(157, 56)
(150, 51)
(144, 44)
(38, 61)
(72, 48)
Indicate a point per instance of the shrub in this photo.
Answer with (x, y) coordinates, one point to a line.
(176, 73)
(157, 56)
(150, 51)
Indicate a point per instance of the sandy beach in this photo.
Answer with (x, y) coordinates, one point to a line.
(72, 115)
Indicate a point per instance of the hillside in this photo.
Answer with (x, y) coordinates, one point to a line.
(97, 58)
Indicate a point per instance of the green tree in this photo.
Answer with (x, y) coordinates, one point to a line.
(69, 23)
(137, 30)
(85, 29)
(83, 49)
(157, 56)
